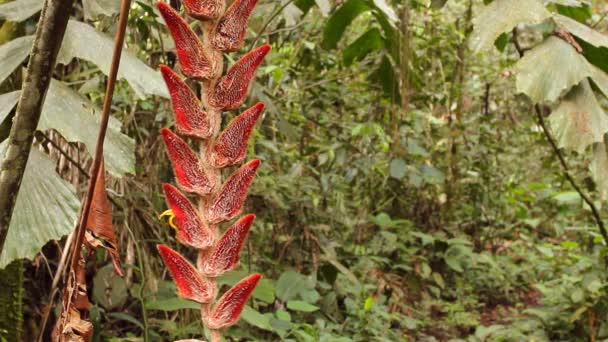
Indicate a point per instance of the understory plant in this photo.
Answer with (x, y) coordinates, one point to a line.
(200, 173)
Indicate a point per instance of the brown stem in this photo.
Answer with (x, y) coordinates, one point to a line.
(105, 117)
(560, 157)
(70, 295)
(49, 35)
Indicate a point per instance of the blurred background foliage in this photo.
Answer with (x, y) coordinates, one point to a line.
(407, 191)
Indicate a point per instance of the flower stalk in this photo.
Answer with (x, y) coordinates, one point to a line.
(200, 172)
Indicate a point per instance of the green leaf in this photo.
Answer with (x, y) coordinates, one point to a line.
(600, 79)
(581, 12)
(598, 167)
(579, 121)
(324, 6)
(283, 315)
(339, 21)
(386, 10)
(290, 284)
(567, 197)
(46, 209)
(368, 42)
(7, 103)
(172, 304)
(109, 290)
(77, 119)
(398, 168)
(19, 10)
(95, 8)
(541, 75)
(127, 318)
(83, 41)
(502, 16)
(12, 55)
(300, 305)
(582, 31)
(387, 78)
(256, 319)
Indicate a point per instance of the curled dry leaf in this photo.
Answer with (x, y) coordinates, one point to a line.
(188, 170)
(225, 254)
(204, 9)
(190, 50)
(231, 89)
(99, 222)
(231, 145)
(190, 228)
(229, 202)
(229, 34)
(190, 118)
(229, 307)
(190, 285)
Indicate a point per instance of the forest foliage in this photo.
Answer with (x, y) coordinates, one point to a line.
(432, 170)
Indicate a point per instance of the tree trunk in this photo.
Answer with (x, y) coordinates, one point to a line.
(49, 35)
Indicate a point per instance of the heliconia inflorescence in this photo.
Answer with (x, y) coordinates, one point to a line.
(200, 173)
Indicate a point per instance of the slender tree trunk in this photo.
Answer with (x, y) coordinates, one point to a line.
(404, 75)
(49, 35)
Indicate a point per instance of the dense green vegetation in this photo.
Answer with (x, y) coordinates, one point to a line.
(432, 171)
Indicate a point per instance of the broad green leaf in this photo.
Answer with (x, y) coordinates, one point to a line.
(397, 168)
(368, 42)
(386, 10)
(600, 78)
(12, 55)
(567, 197)
(541, 73)
(300, 305)
(339, 21)
(582, 31)
(599, 169)
(580, 13)
(83, 41)
(19, 10)
(290, 284)
(172, 304)
(579, 121)
(109, 290)
(127, 318)
(256, 319)
(77, 119)
(292, 14)
(46, 209)
(386, 76)
(324, 7)
(502, 16)
(7, 103)
(95, 8)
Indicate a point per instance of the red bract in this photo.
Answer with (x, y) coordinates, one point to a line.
(229, 34)
(230, 91)
(190, 51)
(225, 254)
(189, 283)
(190, 228)
(188, 171)
(228, 308)
(203, 9)
(189, 115)
(231, 146)
(229, 202)
(99, 222)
